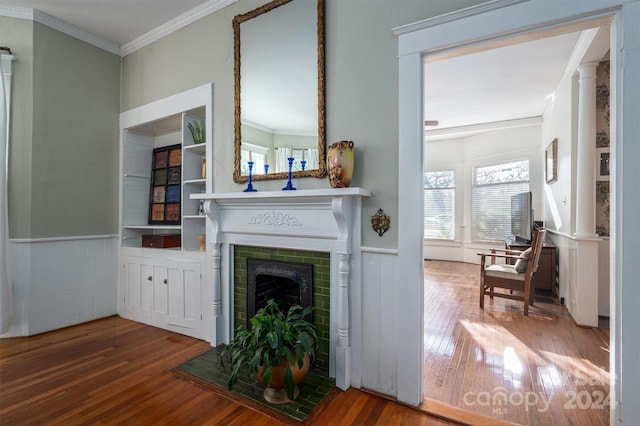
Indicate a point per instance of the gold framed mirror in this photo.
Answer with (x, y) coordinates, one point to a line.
(279, 90)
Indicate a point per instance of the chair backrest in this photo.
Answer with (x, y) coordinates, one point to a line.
(536, 248)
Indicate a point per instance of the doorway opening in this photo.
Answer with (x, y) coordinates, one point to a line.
(497, 362)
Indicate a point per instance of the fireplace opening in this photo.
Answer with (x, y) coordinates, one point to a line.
(288, 283)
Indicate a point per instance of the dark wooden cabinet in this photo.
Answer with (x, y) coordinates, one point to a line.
(546, 278)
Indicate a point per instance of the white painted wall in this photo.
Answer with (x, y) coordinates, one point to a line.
(62, 282)
(560, 121)
(463, 155)
(582, 264)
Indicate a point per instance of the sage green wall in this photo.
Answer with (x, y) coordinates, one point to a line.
(74, 179)
(18, 35)
(257, 137)
(361, 88)
(63, 152)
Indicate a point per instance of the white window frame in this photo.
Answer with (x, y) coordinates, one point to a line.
(473, 233)
(255, 153)
(453, 205)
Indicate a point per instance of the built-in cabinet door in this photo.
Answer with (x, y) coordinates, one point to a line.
(184, 294)
(160, 291)
(138, 286)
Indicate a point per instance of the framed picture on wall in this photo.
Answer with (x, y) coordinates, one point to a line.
(551, 162)
(164, 199)
(602, 164)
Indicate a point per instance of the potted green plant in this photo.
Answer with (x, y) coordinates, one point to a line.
(278, 349)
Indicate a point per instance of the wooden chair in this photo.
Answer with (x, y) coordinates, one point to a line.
(506, 276)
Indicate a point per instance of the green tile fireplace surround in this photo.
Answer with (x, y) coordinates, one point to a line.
(321, 287)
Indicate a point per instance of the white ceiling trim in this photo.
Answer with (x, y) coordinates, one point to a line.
(175, 24)
(473, 129)
(68, 29)
(454, 16)
(582, 46)
(57, 24)
(164, 30)
(16, 12)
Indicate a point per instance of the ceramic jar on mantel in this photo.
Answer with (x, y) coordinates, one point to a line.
(340, 164)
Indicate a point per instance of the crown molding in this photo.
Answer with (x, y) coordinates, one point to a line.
(163, 30)
(63, 27)
(56, 24)
(16, 12)
(175, 24)
(454, 16)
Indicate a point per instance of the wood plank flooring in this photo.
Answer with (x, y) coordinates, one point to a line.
(494, 362)
(115, 371)
(536, 370)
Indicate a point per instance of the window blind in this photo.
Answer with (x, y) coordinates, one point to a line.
(439, 205)
(493, 187)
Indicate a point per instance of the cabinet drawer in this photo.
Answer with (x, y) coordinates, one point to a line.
(161, 241)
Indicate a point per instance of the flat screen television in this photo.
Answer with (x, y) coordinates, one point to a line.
(521, 217)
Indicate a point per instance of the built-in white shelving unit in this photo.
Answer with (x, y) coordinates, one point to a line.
(164, 286)
(138, 145)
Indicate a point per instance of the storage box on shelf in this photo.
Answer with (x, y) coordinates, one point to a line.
(161, 241)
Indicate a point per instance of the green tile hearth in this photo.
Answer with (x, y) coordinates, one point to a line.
(315, 387)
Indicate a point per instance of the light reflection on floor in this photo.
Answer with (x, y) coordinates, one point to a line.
(540, 369)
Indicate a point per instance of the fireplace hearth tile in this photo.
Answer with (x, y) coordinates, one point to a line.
(206, 370)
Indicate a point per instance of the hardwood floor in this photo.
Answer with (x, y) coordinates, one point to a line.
(115, 371)
(536, 370)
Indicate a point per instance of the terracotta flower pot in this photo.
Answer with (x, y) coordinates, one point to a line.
(340, 161)
(275, 392)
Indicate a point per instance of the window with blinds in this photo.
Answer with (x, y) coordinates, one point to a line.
(493, 187)
(439, 205)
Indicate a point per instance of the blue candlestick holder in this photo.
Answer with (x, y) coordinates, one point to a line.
(250, 185)
(303, 165)
(289, 186)
(266, 169)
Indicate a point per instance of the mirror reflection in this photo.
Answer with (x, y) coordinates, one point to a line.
(279, 72)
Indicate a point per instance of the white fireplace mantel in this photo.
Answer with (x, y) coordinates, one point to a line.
(327, 220)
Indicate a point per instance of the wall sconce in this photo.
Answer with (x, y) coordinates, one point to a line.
(380, 222)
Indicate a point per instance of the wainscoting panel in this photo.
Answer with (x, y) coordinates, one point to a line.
(378, 321)
(567, 254)
(58, 282)
(604, 273)
(583, 268)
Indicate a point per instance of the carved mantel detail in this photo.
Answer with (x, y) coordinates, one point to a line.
(274, 218)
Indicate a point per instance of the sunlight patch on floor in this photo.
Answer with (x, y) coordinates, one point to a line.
(582, 370)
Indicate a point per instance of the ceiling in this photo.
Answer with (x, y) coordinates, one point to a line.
(506, 83)
(116, 21)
